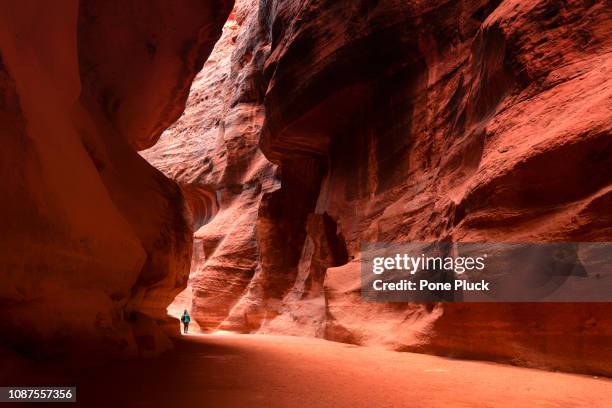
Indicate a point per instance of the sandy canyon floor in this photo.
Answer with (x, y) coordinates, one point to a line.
(227, 370)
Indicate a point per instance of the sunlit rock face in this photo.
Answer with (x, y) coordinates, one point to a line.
(96, 242)
(460, 121)
(212, 152)
(397, 121)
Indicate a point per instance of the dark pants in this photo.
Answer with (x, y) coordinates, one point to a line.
(185, 327)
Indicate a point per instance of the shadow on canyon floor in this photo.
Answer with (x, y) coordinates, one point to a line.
(275, 371)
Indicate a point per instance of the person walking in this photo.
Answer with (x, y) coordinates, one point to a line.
(185, 319)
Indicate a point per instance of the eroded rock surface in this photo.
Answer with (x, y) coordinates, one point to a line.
(397, 121)
(96, 242)
(213, 153)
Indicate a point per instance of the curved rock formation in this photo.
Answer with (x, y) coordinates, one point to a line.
(381, 120)
(214, 146)
(96, 242)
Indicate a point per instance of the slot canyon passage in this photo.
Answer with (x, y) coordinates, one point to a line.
(230, 159)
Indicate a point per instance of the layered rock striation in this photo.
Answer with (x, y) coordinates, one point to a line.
(317, 125)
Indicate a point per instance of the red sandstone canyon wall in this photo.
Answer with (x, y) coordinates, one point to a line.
(212, 151)
(317, 125)
(95, 241)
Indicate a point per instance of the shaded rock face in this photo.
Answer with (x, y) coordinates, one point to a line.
(96, 242)
(397, 121)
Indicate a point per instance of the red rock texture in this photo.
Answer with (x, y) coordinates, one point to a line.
(213, 153)
(387, 120)
(96, 242)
